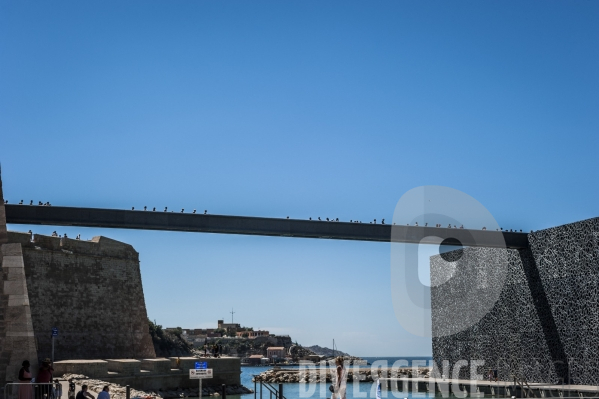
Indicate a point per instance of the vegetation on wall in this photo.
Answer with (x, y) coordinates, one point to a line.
(167, 343)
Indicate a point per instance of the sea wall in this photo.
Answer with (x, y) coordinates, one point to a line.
(543, 326)
(155, 373)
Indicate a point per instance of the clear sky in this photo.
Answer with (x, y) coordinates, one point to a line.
(297, 108)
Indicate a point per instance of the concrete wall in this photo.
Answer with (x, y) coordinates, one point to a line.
(567, 260)
(146, 374)
(544, 324)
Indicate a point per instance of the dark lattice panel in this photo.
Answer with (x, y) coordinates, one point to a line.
(567, 259)
(544, 326)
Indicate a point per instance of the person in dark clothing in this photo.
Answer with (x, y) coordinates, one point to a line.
(83, 394)
(44, 377)
(25, 391)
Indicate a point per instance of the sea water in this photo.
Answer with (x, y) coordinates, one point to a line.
(361, 390)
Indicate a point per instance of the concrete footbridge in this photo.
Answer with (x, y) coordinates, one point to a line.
(224, 224)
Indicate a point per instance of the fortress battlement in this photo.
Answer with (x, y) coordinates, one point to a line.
(98, 246)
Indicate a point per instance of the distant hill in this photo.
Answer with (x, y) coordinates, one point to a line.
(319, 350)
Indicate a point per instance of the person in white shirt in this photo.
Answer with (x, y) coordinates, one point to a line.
(105, 394)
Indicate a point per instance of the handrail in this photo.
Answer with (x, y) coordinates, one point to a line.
(521, 381)
(269, 388)
(273, 390)
(507, 386)
(56, 394)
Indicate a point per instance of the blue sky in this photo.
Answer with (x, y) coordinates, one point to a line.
(331, 109)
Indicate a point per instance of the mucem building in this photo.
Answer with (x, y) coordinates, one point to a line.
(545, 325)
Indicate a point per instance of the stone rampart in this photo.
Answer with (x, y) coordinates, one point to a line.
(91, 291)
(17, 341)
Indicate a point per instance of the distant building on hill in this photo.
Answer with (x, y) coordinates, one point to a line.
(253, 334)
(197, 336)
(230, 328)
(255, 360)
(275, 353)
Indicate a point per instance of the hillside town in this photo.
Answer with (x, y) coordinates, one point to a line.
(254, 347)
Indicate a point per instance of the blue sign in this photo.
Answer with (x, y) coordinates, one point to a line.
(201, 365)
(54, 332)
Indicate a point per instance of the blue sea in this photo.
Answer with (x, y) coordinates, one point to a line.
(362, 390)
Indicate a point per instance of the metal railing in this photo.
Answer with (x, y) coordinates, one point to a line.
(270, 390)
(33, 390)
(495, 389)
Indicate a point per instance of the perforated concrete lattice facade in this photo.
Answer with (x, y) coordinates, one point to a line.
(544, 327)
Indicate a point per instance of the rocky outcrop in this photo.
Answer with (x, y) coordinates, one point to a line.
(167, 343)
(119, 392)
(315, 375)
(322, 351)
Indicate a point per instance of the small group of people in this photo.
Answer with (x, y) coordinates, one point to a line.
(43, 388)
(216, 350)
(84, 394)
(43, 380)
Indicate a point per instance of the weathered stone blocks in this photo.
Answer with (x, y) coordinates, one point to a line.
(124, 366)
(92, 292)
(17, 341)
(93, 368)
(156, 365)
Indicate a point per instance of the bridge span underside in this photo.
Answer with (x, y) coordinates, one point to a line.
(200, 223)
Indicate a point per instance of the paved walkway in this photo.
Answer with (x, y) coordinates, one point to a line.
(594, 389)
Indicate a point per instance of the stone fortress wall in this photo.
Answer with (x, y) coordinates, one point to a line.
(90, 290)
(17, 341)
(543, 328)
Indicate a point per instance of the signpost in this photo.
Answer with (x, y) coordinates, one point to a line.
(54, 335)
(199, 373)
